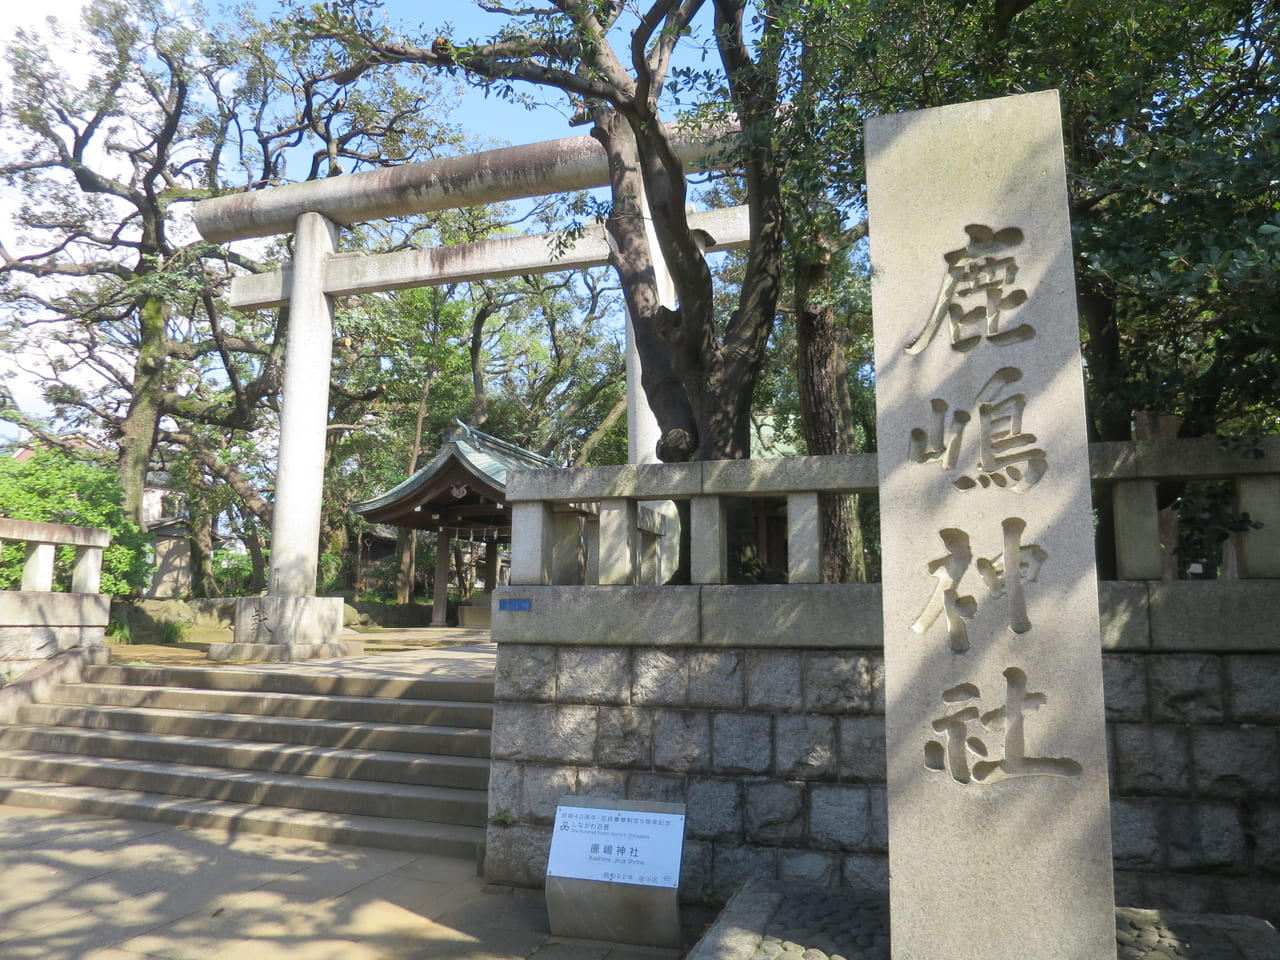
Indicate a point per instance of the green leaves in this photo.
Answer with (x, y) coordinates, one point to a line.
(54, 488)
(1170, 113)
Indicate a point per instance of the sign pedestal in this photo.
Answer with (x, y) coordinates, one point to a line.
(614, 873)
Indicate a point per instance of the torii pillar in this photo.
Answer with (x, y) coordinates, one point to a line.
(291, 622)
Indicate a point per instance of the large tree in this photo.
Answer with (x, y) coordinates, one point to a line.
(613, 63)
(698, 376)
(1170, 114)
(106, 278)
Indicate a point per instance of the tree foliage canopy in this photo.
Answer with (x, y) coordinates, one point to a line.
(1170, 113)
(54, 487)
(107, 289)
(114, 303)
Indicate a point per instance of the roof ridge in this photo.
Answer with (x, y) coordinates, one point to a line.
(471, 432)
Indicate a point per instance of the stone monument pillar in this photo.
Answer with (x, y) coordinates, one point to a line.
(291, 622)
(999, 828)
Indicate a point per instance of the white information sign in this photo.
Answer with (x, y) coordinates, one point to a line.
(617, 846)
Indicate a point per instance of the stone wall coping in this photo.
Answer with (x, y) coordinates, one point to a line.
(1199, 458)
(28, 608)
(1183, 616)
(1195, 459)
(849, 473)
(61, 534)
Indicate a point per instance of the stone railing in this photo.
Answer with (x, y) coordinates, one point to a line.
(543, 499)
(35, 621)
(1133, 470)
(618, 536)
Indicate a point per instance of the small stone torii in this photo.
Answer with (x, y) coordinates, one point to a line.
(291, 619)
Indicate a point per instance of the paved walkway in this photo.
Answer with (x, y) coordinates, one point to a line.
(81, 888)
(380, 642)
(473, 656)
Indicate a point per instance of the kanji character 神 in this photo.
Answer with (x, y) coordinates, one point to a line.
(1003, 575)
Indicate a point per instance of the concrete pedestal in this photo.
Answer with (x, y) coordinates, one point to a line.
(287, 628)
(614, 912)
(606, 900)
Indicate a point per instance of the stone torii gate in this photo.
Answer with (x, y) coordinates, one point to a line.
(291, 622)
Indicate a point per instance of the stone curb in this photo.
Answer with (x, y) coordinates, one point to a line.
(34, 685)
(738, 930)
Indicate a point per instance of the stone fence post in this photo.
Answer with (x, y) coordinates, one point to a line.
(35, 621)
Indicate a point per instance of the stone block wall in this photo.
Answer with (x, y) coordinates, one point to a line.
(779, 755)
(777, 748)
(1195, 778)
(35, 626)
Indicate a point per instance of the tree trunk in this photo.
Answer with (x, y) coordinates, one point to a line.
(699, 388)
(202, 582)
(1108, 419)
(462, 568)
(826, 412)
(257, 558)
(406, 539)
(249, 496)
(632, 258)
(480, 411)
(1112, 419)
(406, 555)
(358, 574)
(138, 429)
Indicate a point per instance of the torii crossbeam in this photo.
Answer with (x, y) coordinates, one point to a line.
(291, 620)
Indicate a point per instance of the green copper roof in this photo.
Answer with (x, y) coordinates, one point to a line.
(485, 457)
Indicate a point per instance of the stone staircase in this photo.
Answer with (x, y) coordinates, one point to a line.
(393, 762)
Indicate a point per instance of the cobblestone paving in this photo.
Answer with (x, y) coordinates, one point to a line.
(1148, 935)
(827, 924)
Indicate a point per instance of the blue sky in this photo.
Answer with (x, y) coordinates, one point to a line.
(488, 117)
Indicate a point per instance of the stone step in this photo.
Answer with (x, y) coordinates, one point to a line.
(468, 773)
(357, 797)
(416, 836)
(392, 737)
(446, 713)
(396, 688)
